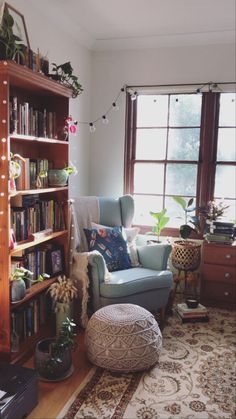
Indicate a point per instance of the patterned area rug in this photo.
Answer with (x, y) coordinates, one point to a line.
(195, 378)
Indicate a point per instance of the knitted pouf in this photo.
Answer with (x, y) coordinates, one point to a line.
(123, 337)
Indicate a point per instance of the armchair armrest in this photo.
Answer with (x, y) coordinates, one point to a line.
(98, 267)
(154, 256)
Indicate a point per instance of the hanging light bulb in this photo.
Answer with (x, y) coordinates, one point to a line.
(115, 106)
(134, 96)
(105, 120)
(92, 127)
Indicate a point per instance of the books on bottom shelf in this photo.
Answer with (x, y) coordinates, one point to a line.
(187, 314)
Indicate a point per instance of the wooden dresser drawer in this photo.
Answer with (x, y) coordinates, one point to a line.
(219, 255)
(218, 273)
(215, 291)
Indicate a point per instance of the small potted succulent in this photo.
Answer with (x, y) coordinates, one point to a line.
(53, 359)
(63, 292)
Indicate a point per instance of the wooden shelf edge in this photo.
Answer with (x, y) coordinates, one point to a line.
(33, 291)
(38, 191)
(21, 137)
(32, 243)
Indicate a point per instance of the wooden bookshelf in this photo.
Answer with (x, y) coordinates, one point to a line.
(44, 95)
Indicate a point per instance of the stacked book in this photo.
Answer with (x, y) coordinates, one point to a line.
(223, 232)
(187, 314)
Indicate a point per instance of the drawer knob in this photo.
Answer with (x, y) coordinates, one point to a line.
(227, 275)
(226, 293)
(228, 256)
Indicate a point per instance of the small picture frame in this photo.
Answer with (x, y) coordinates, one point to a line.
(19, 27)
(55, 260)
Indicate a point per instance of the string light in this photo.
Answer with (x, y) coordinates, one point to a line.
(134, 96)
(92, 127)
(211, 86)
(105, 120)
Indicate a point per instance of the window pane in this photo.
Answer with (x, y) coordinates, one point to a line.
(226, 144)
(185, 110)
(183, 144)
(181, 179)
(225, 182)
(151, 144)
(143, 204)
(148, 178)
(152, 110)
(227, 109)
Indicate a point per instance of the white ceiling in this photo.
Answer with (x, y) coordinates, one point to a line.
(122, 24)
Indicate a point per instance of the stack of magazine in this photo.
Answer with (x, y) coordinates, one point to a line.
(187, 314)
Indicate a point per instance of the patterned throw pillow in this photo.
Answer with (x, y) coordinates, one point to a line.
(111, 244)
(129, 235)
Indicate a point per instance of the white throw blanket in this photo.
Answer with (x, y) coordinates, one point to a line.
(79, 274)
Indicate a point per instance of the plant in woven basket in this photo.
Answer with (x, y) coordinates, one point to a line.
(186, 254)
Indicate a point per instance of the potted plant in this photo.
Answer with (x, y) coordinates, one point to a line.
(53, 359)
(64, 74)
(211, 212)
(59, 177)
(63, 292)
(19, 282)
(161, 220)
(186, 254)
(11, 47)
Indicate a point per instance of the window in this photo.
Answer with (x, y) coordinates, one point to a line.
(179, 144)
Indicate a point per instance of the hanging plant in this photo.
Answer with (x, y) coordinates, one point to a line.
(64, 74)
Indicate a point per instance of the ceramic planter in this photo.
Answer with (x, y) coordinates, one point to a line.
(18, 290)
(47, 368)
(57, 177)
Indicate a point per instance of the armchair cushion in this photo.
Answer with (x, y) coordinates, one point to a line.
(134, 281)
(154, 256)
(112, 246)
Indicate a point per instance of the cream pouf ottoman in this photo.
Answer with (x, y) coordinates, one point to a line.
(123, 337)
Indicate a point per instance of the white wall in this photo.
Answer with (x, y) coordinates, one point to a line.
(45, 33)
(110, 70)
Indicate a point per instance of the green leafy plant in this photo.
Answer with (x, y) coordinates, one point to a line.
(161, 220)
(64, 73)
(213, 210)
(65, 341)
(191, 222)
(21, 273)
(11, 45)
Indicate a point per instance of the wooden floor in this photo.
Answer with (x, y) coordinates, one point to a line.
(53, 396)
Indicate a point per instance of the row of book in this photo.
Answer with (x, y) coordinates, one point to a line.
(27, 320)
(221, 232)
(26, 120)
(187, 314)
(31, 215)
(34, 260)
(30, 170)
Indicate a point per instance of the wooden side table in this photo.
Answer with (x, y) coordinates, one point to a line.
(218, 275)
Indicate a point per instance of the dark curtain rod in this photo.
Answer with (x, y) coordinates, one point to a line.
(181, 84)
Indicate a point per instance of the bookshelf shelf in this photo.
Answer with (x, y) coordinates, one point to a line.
(36, 242)
(32, 120)
(38, 191)
(30, 138)
(33, 291)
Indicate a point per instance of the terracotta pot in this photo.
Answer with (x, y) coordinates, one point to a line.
(186, 255)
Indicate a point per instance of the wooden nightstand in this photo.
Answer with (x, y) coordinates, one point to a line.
(218, 275)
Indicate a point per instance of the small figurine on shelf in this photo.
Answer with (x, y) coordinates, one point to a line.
(14, 169)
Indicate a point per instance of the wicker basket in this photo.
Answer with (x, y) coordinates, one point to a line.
(186, 255)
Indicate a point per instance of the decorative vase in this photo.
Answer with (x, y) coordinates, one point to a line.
(18, 290)
(47, 368)
(186, 255)
(63, 310)
(58, 177)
